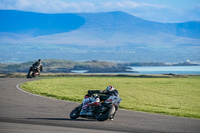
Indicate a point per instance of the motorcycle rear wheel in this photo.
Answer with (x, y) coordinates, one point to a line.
(106, 114)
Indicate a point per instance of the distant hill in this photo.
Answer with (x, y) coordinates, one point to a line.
(67, 66)
(112, 36)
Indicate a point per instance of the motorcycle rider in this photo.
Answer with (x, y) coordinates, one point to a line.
(37, 65)
(109, 91)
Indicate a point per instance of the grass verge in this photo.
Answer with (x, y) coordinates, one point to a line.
(169, 96)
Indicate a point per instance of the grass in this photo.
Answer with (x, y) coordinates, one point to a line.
(169, 96)
(50, 75)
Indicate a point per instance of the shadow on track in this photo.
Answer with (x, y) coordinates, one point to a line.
(61, 119)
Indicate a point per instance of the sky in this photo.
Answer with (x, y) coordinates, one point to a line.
(166, 11)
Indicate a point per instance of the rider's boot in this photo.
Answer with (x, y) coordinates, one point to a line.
(111, 118)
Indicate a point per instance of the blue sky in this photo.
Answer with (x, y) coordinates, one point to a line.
(167, 11)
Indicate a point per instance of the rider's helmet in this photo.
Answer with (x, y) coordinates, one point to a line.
(39, 60)
(110, 88)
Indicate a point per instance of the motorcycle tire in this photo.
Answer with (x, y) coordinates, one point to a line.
(33, 75)
(75, 113)
(106, 114)
(29, 75)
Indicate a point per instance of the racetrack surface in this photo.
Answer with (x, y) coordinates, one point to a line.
(21, 112)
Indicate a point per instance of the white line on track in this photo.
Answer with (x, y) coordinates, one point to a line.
(18, 87)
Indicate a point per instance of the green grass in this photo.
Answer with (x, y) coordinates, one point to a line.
(170, 96)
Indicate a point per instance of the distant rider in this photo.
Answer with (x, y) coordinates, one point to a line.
(109, 91)
(37, 65)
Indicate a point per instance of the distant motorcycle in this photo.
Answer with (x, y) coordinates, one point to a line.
(97, 107)
(33, 72)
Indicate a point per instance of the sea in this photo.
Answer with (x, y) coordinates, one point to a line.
(180, 70)
(193, 70)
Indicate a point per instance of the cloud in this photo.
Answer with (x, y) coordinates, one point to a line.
(130, 4)
(47, 6)
(122, 4)
(50, 6)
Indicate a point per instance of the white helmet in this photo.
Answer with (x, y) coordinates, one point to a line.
(110, 88)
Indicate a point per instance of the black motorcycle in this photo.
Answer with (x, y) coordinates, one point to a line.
(33, 72)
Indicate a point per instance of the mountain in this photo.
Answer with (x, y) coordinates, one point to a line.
(37, 24)
(115, 36)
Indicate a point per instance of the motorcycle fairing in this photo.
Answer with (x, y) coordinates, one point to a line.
(88, 103)
(113, 100)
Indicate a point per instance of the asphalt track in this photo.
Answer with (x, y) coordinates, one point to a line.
(21, 112)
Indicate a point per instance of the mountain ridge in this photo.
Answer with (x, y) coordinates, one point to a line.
(112, 19)
(38, 23)
(126, 37)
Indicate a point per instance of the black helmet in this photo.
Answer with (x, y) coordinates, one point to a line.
(39, 60)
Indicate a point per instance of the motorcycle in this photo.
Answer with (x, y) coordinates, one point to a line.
(97, 107)
(33, 72)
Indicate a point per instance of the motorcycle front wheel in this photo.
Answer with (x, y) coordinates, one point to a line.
(102, 116)
(75, 113)
(29, 75)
